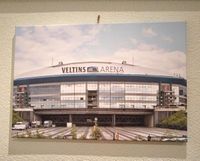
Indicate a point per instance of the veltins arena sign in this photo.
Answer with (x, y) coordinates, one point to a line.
(90, 69)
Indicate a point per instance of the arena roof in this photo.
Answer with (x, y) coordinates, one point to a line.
(85, 68)
(96, 71)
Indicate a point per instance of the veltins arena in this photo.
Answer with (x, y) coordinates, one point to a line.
(117, 94)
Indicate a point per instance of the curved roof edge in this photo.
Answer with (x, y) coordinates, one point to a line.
(94, 67)
(101, 77)
(85, 62)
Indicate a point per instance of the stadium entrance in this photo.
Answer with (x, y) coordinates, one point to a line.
(102, 120)
(105, 117)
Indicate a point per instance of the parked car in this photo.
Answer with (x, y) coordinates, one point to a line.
(48, 123)
(21, 126)
(35, 124)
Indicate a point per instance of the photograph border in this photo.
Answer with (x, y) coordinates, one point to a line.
(168, 52)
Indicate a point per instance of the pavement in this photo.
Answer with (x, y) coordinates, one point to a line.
(120, 133)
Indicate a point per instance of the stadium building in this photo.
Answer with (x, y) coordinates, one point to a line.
(117, 94)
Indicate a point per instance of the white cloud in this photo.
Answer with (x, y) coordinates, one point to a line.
(35, 50)
(134, 41)
(153, 57)
(61, 43)
(168, 39)
(149, 32)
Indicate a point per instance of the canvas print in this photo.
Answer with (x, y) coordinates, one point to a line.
(110, 82)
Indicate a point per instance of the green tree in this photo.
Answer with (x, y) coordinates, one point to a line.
(177, 120)
(16, 118)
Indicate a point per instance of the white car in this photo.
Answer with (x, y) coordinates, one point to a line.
(48, 123)
(35, 124)
(20, 126)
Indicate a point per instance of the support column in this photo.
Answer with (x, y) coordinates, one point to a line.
(149, 121)
(31, 116)
(70, 118)
(113, 120)
(156, 119)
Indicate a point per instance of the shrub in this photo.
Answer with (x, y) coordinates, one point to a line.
(96, 133)
(74, 132)
(83, 137)
(28, 133)
(38, 135)
(177, 120)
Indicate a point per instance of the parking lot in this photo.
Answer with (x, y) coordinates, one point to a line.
(124, 133)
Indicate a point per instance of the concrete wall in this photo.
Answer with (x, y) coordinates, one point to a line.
(37, 12)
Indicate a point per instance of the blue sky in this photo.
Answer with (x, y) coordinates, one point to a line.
(151, 45)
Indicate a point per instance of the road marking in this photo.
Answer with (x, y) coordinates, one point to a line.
(125, 133)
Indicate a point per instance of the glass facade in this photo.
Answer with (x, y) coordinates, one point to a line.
(104, 94)
(44, 96)
(73, 95)
(141, 95)
(117, 95)
(141, 88)
(80, 95)
(92, 86)
(109, 95)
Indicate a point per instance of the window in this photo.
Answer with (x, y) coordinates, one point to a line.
(46, 89)
(67, 88)
(104, 87)
(93, 86)
(80, 87)
(117, 87)
(141, 88)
